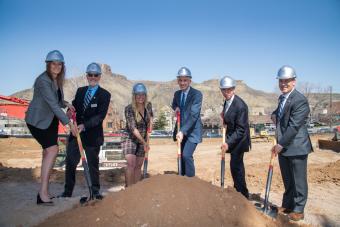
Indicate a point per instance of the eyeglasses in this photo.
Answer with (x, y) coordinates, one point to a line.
(92, 75)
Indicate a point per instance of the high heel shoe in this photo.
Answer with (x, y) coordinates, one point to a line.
(41, 202)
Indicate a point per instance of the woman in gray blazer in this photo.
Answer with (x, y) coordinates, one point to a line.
(43, 116)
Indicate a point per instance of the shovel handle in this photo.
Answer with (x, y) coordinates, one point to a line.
(179, 152)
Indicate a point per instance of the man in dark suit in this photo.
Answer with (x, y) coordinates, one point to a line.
(293, 143)
(235, 117)
(91, 104)
(188, 101)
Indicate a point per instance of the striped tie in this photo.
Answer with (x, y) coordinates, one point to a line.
(281, 105)
(87, 98)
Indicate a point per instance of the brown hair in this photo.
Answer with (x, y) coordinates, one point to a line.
(61, 75)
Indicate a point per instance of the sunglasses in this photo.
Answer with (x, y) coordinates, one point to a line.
(92, 75)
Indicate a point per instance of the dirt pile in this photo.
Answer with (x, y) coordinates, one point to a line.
(167, 200)
(328, 173)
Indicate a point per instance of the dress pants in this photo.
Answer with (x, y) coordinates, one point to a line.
(72, 160)
(294, 176)
(238, 173)
(188, 165)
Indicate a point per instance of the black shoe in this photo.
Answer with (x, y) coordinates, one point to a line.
(64, 195)
(98, 196)
(41, 202)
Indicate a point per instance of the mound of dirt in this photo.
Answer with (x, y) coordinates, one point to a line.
(167, 200)
(328, 173)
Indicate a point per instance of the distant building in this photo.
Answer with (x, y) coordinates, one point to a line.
(113, 122)
(256, 111)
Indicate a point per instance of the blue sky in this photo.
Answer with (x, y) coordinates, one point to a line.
(150, 40)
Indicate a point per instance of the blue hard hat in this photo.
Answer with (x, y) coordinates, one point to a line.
(94, 68)
(184, 72)
(139, 88)
(54, 55)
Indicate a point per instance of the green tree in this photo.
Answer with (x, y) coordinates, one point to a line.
(160, 122)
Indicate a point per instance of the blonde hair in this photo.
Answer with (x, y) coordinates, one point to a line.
(134, 107)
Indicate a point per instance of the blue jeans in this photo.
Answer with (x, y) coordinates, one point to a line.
(188, 166)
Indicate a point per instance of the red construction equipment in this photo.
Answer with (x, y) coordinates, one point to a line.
(18, 108)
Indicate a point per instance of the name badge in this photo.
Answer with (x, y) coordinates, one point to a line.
(93, 105)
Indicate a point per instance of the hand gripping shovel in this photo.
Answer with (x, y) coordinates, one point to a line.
(223, 156)
(145, 167)
(179, 152)
(83, 161)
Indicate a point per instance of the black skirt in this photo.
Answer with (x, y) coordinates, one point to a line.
(46, 137)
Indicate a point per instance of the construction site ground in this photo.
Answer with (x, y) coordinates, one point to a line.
(159, 199)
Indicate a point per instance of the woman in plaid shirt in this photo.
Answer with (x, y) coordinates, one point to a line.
(138, 116)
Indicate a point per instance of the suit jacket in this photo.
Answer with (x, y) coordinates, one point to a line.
(92, 117)
(45, 104)
(191, 118)
(292, 131)
(237, 121)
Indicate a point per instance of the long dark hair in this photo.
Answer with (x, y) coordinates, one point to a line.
(61, 75)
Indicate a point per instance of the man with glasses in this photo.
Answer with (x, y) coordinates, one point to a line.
(188, 101)
(91, 103)
(293, 143)
(235, 118)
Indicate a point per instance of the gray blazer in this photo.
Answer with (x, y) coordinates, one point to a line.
(292, 131)
(45, 104)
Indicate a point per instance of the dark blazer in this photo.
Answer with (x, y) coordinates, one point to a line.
(192, 124)
(237, 121)
(292, 131)
(92, 117)
(45, 104)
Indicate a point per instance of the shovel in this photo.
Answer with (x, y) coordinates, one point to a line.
(83, 161)
(269, 210)
(145, 167)
(223, 157)
(179, 152)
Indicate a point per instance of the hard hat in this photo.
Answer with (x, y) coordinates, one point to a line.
(139, 88)
(54, 55)
(184, 72)
(286, 72)
(93, 68)
(227, 82)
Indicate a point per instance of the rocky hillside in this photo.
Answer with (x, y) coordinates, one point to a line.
(161, 93)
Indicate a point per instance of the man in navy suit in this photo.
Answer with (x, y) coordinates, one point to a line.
(188, 101)
(235, 117)
(91, 104)
(293, 143)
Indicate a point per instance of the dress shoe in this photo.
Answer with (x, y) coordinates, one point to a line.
(283, 210)
(98, 196)
(41, 202)
(295, 216)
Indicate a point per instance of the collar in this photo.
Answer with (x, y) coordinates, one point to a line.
(93, 88)
(230, 100)
(288, 94)
(186, 91)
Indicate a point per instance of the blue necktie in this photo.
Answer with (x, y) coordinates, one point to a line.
(182, 101)
(181, 106)
(282, 98)
(87, 98)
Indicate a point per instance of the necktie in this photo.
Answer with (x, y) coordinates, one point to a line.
(226, 107)
(182, 101)
(87, 98)
(281, 105)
